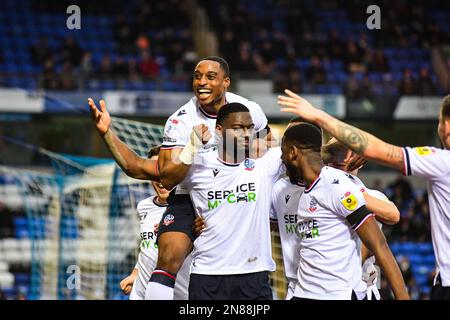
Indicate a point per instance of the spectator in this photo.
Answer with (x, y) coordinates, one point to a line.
(148, 66)
(71, 52)
(425, 85)
(378, 62)
(315, 72)
(48, 77)
(105, 66)
(67, 77)
(41, 52)
(407, 85)
(354, 58)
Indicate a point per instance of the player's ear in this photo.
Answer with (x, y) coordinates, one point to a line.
(219, 130)
(227, 82)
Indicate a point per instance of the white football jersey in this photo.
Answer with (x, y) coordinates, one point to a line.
(234, 201)
(434, 165)
(285, 198)
(179, 125)
(330, 256)
(369, 264)
(150, 213)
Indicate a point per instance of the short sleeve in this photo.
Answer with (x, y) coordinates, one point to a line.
(258, 116)
(428, 162)
(272, 162)
(347, 201)
(176, 133)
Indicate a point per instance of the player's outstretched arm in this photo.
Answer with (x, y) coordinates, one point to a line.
(357, 140)
(133, 165)
(374, 240)
(384, 210)
(174, 164)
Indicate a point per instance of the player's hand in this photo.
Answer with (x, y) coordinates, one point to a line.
(295, 104)
(199, 225)
(370, 275)
(127, 283)
(355, 162)
(202, 132)
(100, 118)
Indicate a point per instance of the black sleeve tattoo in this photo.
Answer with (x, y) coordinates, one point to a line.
(354, 138)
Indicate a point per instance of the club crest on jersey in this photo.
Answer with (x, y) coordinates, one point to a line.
(349, 201)
(312, 205)
(423, 151)
(249, 164)
(169, 219)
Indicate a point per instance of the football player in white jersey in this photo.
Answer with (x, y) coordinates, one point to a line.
(150, 211)
(210, 84)
(429, 162)
(337, 155)
(332, 213)
(232, 256)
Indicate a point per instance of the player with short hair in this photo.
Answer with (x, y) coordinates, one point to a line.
(337, 155)
(428, 162)
(211, 81)
(332, 213)
(232, 256)
(150, 211)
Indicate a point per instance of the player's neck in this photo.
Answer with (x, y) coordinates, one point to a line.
(231, 157)
(161, 201)
(311, 170)
(214, 107)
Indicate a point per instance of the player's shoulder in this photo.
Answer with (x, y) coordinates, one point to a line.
(233, 97)
(334, 176)
(145, 204)
(185, 111)
(281, 184)
(429, 151)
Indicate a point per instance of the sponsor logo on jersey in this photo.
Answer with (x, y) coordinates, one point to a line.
(349, 201)
(423, 151)
(312, 205)
(308, 229)
(242, 193)
(168, 219)
(215, 172)
(249, 164)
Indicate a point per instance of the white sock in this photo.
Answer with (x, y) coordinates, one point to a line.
(158, 291)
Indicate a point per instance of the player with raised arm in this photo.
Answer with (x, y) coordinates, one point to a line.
(232, 256)
(332, 213)
(337, 155)
(210, 84)
(429, 162)
(150, 211)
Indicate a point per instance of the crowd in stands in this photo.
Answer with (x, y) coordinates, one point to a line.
(309, 46)
(326, 47)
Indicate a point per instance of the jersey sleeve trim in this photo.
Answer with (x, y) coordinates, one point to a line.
(358, 217)
(406, 162)
(177, 146)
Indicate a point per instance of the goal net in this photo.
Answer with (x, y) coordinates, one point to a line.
(79, 231)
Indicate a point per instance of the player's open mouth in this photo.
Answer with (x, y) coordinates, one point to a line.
(204, 93)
